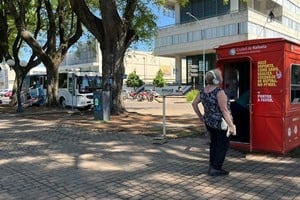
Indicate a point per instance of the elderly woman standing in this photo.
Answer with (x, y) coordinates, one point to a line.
(216, 106)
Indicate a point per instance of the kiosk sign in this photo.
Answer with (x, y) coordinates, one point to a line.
(267, 74)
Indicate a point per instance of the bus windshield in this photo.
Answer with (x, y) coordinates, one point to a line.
(88, 84)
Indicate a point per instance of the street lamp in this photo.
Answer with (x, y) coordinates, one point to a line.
(203, 53)
(10, 62)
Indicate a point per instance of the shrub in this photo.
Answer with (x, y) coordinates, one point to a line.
(159, 80)
(191, 95)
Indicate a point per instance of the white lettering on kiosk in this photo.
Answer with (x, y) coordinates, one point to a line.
(295, 119)
(251, 48)
(259, 47)
(264, 98)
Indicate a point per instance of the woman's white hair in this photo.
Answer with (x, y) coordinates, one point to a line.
(213, 74)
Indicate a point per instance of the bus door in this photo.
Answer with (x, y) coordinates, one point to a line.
(73, 86)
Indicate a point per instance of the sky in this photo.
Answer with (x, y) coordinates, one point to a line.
(164, 19)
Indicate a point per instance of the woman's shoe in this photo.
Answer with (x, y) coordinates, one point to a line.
(217, 172)
(224, 172)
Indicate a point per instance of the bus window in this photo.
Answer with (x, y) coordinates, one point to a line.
(295, 84)
(84, 84)
(62, 80)
(70, 86)
(97, 84)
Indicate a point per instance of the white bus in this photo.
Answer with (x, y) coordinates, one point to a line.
(75, 88)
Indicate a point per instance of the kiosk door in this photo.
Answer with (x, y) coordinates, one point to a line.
(237, 85)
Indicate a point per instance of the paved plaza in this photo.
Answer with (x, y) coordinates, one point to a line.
(46, 160)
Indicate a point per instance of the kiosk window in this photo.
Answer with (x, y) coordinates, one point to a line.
(295, 84)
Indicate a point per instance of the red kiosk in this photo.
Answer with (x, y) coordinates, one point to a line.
(262, 80)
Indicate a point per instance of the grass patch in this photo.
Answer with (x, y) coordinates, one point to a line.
(191, 95)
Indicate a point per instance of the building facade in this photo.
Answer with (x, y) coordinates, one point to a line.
(203, 25)
(7, 76)
(145, 64)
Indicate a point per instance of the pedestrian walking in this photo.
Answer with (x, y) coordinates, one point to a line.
(216, 107)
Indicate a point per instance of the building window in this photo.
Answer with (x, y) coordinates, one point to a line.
(196, 35)
(231, 29)
(203, 9)
(220, 31)
(183, 38)
(210, 8)
(190, 36)
(243, 28)
(175, 39)
(242, 5)
(222, 7)
(211, 33)
(295, 84)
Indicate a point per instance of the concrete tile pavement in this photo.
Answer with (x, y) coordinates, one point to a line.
(43, 160)
(174, 106)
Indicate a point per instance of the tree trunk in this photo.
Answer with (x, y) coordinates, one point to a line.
(112, 73)
(20, 76)
(114, 33)
(52, 86)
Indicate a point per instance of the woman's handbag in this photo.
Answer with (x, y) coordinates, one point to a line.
(224, 125)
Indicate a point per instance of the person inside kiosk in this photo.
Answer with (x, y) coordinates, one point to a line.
(240, 113)
(237, 88)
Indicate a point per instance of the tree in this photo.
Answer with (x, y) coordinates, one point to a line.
(116, 25)
(10, 46)
(134, 80)
(4, 33)
(159, 80)
(49, 28)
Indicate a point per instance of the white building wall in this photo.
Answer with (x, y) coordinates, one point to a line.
(147, 65)
(144, 63)
(7, 77)
(190, 35)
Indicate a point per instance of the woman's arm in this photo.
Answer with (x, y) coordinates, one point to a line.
(196, 107)
(222, 101)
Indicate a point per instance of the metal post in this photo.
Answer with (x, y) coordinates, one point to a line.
(194, 83)
(162, 139)
(164, 117)
(106, 102)
(204, 66)
(144, 70)
(204, 46)
(73, 89)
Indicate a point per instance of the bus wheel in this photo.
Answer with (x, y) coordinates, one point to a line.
(62, 102)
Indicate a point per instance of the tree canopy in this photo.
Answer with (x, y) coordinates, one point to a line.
(116, 24)
(50, 28)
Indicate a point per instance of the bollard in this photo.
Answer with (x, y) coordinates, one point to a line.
(106, 105)
(98, 108)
